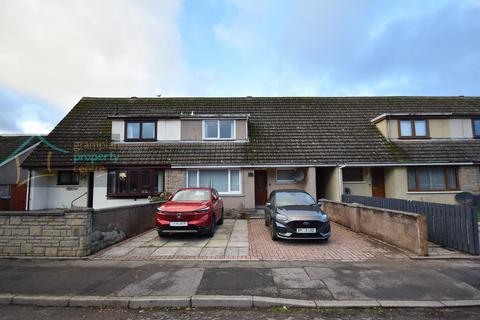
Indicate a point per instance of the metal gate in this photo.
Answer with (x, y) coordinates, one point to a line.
(449, 225)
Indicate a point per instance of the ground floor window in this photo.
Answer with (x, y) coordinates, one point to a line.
(5, 191)
(432, 178)
(352, 174)
(65, 178)
(134, 182)
(225, 181)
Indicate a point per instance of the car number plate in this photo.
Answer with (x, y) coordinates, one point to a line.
(306, 230)
(179, 224)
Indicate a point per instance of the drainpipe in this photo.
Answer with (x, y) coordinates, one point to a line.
(340, 179)
(28, 189)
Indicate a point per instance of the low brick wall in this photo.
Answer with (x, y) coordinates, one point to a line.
(402, 229)
(70, 232)
(52, 233)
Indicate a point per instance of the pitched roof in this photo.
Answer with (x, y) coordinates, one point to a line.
(12, 145)
(282, 130)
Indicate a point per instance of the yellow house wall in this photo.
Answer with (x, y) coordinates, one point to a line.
(332, 191)
(439, 128)
(396, 187)
(361, 188)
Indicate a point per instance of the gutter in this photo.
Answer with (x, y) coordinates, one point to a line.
(333, 165)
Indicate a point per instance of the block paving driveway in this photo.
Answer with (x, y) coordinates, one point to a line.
(250, 240)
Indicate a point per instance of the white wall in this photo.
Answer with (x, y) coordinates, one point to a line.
(100, 199)
(46, 194)
(118, 130)
(168, 130)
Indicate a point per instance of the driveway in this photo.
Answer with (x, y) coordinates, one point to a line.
(250, 240)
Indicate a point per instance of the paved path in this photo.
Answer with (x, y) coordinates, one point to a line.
(386, 280)
(250, 240)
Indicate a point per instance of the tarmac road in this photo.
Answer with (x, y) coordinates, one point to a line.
(37, 313)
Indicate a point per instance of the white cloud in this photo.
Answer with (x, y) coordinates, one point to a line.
(61, 50)
(35, 127)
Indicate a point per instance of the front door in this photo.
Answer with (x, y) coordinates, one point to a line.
(378, 183)
(19, 197)
(260, 187)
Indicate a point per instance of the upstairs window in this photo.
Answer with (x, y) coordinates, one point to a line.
(413, 128)
(140, 131)
(218, 129)
(432, 179)
(476, 128)
(68, 178)
(134, 182)
(352, 174)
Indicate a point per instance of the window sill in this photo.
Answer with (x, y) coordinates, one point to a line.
(355, 182)
(130, 196)
(434, 192)
(230, 194)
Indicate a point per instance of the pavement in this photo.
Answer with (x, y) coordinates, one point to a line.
(143, 284)
(250, 240)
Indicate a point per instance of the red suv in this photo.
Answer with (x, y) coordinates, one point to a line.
(190, 210)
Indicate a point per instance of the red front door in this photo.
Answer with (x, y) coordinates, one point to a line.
(19, 197)
(378, 183)
(260, 187)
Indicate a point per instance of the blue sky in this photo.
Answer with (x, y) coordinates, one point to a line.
(53, 52)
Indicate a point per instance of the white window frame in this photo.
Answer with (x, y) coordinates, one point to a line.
(218, 129)
(284, 181)
(219, 192)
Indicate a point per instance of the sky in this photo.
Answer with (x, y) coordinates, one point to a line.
(54, 52)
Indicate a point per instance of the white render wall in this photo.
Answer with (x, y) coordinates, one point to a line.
(100, 199)
(46, 194)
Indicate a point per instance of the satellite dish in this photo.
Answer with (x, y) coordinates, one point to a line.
(347, 191)
(465, 198)
(299, 176)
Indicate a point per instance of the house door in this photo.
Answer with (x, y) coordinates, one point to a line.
(260, 187)
(378, 183)
(19, 197)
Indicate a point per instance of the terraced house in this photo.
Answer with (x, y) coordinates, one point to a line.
(120, 151)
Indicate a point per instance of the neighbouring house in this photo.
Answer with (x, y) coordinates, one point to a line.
(120, 151)
(13, 178)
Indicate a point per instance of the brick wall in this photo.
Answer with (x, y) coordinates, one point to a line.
(469, 178)
(57, 233)
(174, 179)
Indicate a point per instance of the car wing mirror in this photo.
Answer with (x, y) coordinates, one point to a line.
(320, 203)
(268, 205)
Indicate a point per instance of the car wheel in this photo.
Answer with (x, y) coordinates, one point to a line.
(220, 222)
(211, 231)
(273, 232)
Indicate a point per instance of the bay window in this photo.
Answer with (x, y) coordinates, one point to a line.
(432, 178)
(225, 181)
(218, 129)
(134, 182)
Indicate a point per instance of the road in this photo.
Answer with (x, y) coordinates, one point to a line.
(407, 280)
(36, 313)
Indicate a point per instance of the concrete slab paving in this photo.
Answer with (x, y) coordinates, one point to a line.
(294, 278)
(168, 282)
